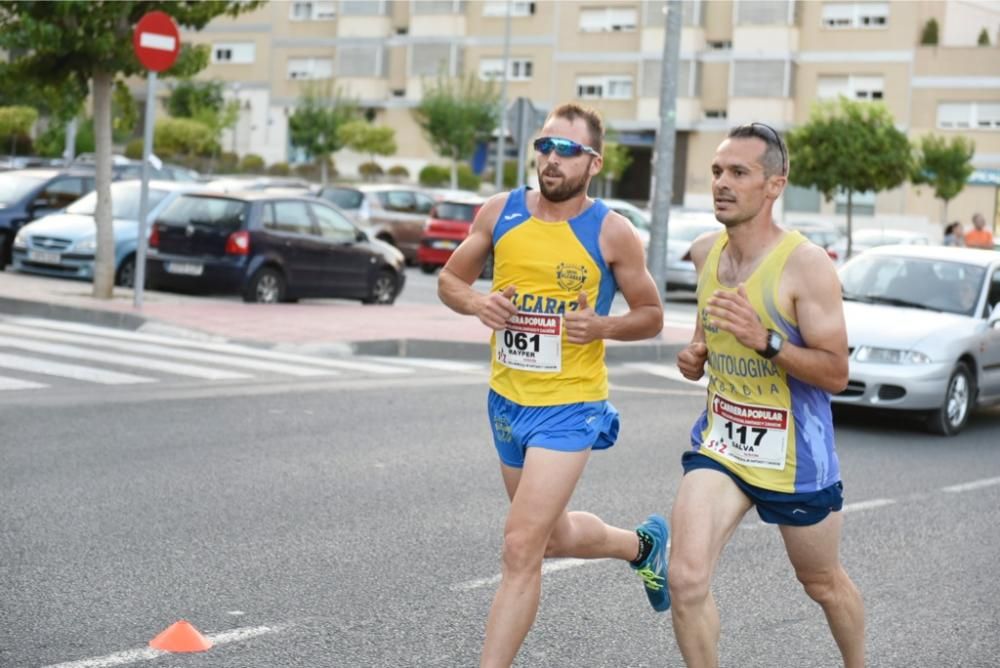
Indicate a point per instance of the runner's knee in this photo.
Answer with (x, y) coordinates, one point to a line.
(820, 586)
(523, 550)
(688, 582)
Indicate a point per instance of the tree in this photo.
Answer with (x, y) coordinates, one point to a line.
(455, 113)
(314, 125)
(16, 123)
(848, 146)
(984, 38)
(363, 137)
(944, 165)
(616, 160)
(183, 137)
(189, 97)
(929, 36)
(81, 48)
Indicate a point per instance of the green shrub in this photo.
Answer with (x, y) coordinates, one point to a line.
(399, 173)
(228, 162)
(929, 36)
(467, 180)
(182, 136)
(370, 170)
(133, 149)
(434, 176)
(251, 163)
(279, 169)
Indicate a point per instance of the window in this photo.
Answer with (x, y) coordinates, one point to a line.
(424, 7)
(291, 217)
(334, 226)
(402, 201)
(519, 69)
(721, 45)
(862, 204)
(234, 53)
(428, 60)
(610, 87)
(610, 19)
(360, 61)
(847, 15)
(313, 11)
(855, 87)
(363, 7)
(762, 12)
(969, 116)
(60, 193)
(345, 198)
(516, 9)
(759, 78)
(310, 68)
(716, 113)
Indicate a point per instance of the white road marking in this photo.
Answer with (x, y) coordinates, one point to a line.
(74, 371)
(146, 653)
(425, 363)
(867, 505)
(124, 360)
(227, 348)
(654, 390)
(975, 484)
(16, 384)
(668, 371)
(547, 567)
(171, 352)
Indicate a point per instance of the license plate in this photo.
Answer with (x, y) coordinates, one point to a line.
(444, 245)
(184, 268)
(44, 257)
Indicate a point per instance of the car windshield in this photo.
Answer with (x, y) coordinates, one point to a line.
(939, 285)
(219, 212)
(124, 201)
(345, 198)
(15, 186)
(455, 211)
(689, 231)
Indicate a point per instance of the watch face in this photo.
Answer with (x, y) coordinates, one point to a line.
(775, 341)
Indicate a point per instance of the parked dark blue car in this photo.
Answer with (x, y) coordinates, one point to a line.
(269, 247)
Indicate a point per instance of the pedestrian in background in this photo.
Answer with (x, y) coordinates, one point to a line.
(979, 236)
(559, 257)
(953, 234)
(771, 329)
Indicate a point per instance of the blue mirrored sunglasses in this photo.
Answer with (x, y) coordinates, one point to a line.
(564, 148)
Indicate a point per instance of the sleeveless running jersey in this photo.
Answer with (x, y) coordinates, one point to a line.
(549, 264)
(770, 429)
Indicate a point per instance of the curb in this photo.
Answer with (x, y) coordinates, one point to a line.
(466, 351)
(128, 321)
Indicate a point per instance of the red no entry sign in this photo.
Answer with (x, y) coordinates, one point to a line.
(156, 41)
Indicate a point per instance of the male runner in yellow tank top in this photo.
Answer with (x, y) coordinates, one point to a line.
(771, 329)
(558, 258)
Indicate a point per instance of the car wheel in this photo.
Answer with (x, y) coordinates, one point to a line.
(958, 401)
(487, 272)
(267, 286)
(428, 268)
(125, 276)
(384, 288)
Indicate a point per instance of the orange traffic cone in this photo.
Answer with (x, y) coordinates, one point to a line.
(181, 637)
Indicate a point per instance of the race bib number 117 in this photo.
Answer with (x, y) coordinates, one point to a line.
(748, 434)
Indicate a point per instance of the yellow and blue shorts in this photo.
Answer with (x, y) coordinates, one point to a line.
(565, 427)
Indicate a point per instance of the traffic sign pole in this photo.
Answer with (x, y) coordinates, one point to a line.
(157, 43)
(139, 282)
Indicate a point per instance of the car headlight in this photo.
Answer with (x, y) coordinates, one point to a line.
(890, 356)
(86, 245)
(21, 240)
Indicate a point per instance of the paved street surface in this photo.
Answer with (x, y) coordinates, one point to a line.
(355, 520)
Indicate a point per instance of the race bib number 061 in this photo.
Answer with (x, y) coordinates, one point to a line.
(748, 434)
(531, 342)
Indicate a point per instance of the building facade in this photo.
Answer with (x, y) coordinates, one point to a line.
(741, 60)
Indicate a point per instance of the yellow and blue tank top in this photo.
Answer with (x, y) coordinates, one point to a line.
(549, 264)
(767, 427)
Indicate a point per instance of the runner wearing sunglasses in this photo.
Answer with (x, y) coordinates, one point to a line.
(558, 258)
(771, 329)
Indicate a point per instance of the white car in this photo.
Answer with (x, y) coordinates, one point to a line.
(862, 240)
(923, 330)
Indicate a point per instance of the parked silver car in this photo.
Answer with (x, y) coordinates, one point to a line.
(923, 328)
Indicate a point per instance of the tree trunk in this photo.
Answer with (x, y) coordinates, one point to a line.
(850, 230)
(454, 173)
(944, 212)
(323, 160)
(104, 266)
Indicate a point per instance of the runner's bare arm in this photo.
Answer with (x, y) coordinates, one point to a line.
(622, 250)
(465, 265)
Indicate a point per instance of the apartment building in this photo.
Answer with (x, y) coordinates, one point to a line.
(741, 60)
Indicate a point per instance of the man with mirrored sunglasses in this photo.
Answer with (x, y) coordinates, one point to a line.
(559, 257)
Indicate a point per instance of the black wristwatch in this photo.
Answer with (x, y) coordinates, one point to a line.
(774, 342)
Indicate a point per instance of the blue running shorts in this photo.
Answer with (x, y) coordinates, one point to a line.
(802, 509)
(566, 427)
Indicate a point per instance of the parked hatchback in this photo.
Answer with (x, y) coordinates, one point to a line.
(270, 248)
(64, 244)
(446, 228)
(394, 214)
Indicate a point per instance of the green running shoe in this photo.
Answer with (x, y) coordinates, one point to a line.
(653, 570)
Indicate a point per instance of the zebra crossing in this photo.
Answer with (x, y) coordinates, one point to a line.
(38, 354)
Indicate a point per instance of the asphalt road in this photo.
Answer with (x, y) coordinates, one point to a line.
(358, 523)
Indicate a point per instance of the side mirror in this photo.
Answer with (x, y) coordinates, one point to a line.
(361, 236)
(433, 213)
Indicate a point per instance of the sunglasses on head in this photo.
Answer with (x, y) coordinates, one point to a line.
(564, 148)
(774, 138)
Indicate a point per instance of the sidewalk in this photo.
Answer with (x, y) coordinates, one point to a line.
(322, 326)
